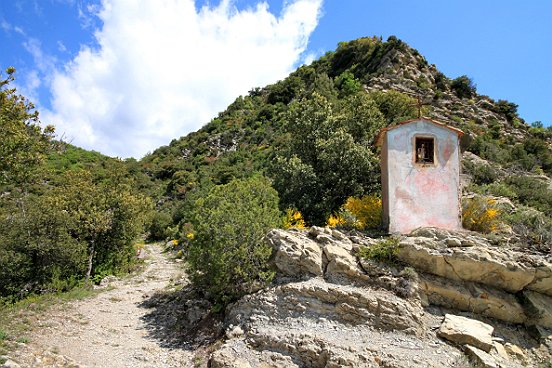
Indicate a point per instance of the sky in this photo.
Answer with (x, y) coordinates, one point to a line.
(124, 77)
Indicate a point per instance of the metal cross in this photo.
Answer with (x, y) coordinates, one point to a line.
(419, 105)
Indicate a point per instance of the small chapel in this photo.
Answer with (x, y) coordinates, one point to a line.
(420, 176)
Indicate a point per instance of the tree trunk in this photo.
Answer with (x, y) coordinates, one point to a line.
(90, 258)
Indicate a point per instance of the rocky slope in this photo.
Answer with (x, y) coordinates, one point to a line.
(331, 308)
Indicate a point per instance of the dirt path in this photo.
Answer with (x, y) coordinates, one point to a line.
(112, 329)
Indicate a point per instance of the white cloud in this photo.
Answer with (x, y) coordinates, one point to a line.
(165, 68)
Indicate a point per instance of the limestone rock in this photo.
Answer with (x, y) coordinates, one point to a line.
(472, 297)
(316, 298)
(539, 308)
(514, 350)
(500, 351)
(501, 268)
(341, 262)
(480, 357)
(225, 358)
(295, 254)
(462, 330)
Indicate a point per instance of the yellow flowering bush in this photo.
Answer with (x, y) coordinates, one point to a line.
(359, 213)
(293, 219)
(336, 221)
(480, 214)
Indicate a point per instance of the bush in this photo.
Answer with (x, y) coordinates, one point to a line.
(293, 219)
(228, 257)
(385, 251)
(160, 226)
(532, 192)
(483, 174)
(360, 213)
(508, 109)
(463, 87)
(480, 214)
(533, 227)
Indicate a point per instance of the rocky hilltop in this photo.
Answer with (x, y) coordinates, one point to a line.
(446, 297)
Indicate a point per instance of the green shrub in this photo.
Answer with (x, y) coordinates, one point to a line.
(483, 174)
(500, 190)
(532, 192)
(463, 87)
(159, 228)
(384, 251)
(228, 256)
(533, 227)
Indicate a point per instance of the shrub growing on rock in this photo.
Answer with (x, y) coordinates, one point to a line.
(228, 256)
(480, 214)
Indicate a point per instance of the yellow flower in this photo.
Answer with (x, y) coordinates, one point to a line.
(190, 236)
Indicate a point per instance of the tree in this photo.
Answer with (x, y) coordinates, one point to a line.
(327, 158)
(394, 106)
(106, 216)
(228, 256)
(24, 143)
(463, 86)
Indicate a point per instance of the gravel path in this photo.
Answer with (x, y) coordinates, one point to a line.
(111, 329)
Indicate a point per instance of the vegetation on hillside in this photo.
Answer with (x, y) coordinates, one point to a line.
(304, 147)
(62, 219)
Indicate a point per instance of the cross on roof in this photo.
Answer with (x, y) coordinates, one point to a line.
(419, 105)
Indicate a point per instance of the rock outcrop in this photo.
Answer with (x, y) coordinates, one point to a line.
(331, 308)
(462, 330)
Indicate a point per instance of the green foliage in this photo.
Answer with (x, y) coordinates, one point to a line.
(480, 214)
(482, 174)
(347, 84)
(395, 106)
(532, 191)
(508, 109)
(74, 229)
(534, 227)
(160, 225)
(24, 143)
(228, 256)
(323, 158)
(384, 251)
(463, 87)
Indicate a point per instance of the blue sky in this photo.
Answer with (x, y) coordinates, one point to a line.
(124, 77)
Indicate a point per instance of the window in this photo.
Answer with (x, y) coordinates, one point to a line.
(424, 153)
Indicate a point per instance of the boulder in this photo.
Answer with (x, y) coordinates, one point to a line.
(295, 254)
(539, 308)
(480, 358)
(341, 262)
(463, 330)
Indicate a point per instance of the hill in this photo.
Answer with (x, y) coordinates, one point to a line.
(362, 86)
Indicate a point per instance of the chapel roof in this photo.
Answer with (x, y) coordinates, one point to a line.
(382, 132)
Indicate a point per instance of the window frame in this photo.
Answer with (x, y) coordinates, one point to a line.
(424, 137)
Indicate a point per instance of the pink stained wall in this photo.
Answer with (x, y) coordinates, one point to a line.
(417, 195)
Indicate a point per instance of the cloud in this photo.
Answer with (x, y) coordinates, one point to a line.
(162, 69)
